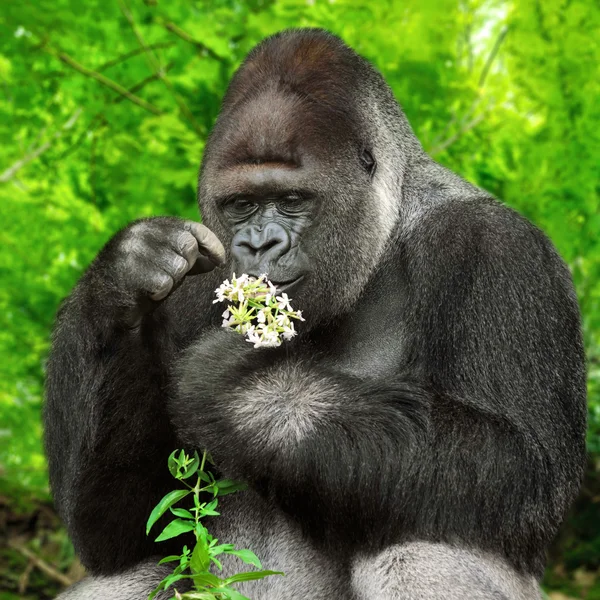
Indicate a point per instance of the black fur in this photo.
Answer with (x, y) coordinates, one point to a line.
(435, 393)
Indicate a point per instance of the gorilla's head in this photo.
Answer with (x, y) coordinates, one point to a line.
(302, 174)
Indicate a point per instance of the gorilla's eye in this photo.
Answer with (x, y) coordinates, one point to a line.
(240, 208)
(291, 204)
(369, 163)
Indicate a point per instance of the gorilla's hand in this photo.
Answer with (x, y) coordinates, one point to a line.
(143, 263)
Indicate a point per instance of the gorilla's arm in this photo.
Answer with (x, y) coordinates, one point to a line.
(476, 451)
(320, 440)
(107, 433)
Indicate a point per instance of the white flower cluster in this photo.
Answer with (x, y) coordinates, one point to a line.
(260, 314)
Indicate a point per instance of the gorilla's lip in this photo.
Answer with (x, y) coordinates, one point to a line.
(283, 286)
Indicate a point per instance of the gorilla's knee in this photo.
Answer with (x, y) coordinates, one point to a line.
(134, 584)
(428, 571)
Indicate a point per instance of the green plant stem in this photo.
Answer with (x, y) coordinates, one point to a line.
(109, 83)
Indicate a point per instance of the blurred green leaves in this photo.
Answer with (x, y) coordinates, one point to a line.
(505, 93)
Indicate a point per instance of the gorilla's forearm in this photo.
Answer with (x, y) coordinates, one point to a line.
(315, 439)
(105, 438)
(363, 462)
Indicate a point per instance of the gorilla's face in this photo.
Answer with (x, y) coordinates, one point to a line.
(268, 218)
(288, 177)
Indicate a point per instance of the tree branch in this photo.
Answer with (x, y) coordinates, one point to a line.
(131, 54)
(9, 173)
(470, 125)
(109, 83)
(492, 56)
(159, 71)
(484, 73)
(24, 579)
(170, 26)
(41, 564)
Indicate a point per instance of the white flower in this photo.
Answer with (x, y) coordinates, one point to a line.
(228, 322)
(282, 319)
(253, 338)
(222, 291)
(266, 323)
(270, 339)
(283, 302)
(289, 332)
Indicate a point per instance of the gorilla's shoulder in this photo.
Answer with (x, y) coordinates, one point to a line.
(467, 226)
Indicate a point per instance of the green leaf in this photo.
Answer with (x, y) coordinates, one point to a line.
(206, 579)
(247, 556)
(168, 559)
(174, 578)
(229, 486)
(232, 594)
(166, 503)
(201, 533)
(217, 562)
(173, 463)
(251, 576)
(175, 528)
(204, 477)
(158, 588)
(216, 550)
(200, 557)
(191, 468)
(182, 512)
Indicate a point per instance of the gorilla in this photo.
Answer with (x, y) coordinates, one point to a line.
(422, 436)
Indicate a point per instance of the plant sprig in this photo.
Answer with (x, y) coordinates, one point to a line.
(194, 564)
(256, 311)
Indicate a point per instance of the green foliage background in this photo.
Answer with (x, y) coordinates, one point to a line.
(506, 93)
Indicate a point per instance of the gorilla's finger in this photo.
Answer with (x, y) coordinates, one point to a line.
(187, 246)
(160, 285)
(209, 244)
(202, 265)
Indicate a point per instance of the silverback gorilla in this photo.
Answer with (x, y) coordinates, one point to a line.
(422, 436)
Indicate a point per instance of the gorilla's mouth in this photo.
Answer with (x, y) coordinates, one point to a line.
(284, 286)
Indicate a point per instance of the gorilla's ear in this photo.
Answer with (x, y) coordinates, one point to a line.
(368, 162)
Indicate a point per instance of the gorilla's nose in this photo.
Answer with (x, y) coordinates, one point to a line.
(265, 243)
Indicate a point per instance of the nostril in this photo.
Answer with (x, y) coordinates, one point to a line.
(244, 245)
(270, 244)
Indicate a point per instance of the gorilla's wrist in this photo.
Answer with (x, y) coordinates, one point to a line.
(105, 304)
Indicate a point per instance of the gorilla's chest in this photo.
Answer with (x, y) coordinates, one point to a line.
(247, 521)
